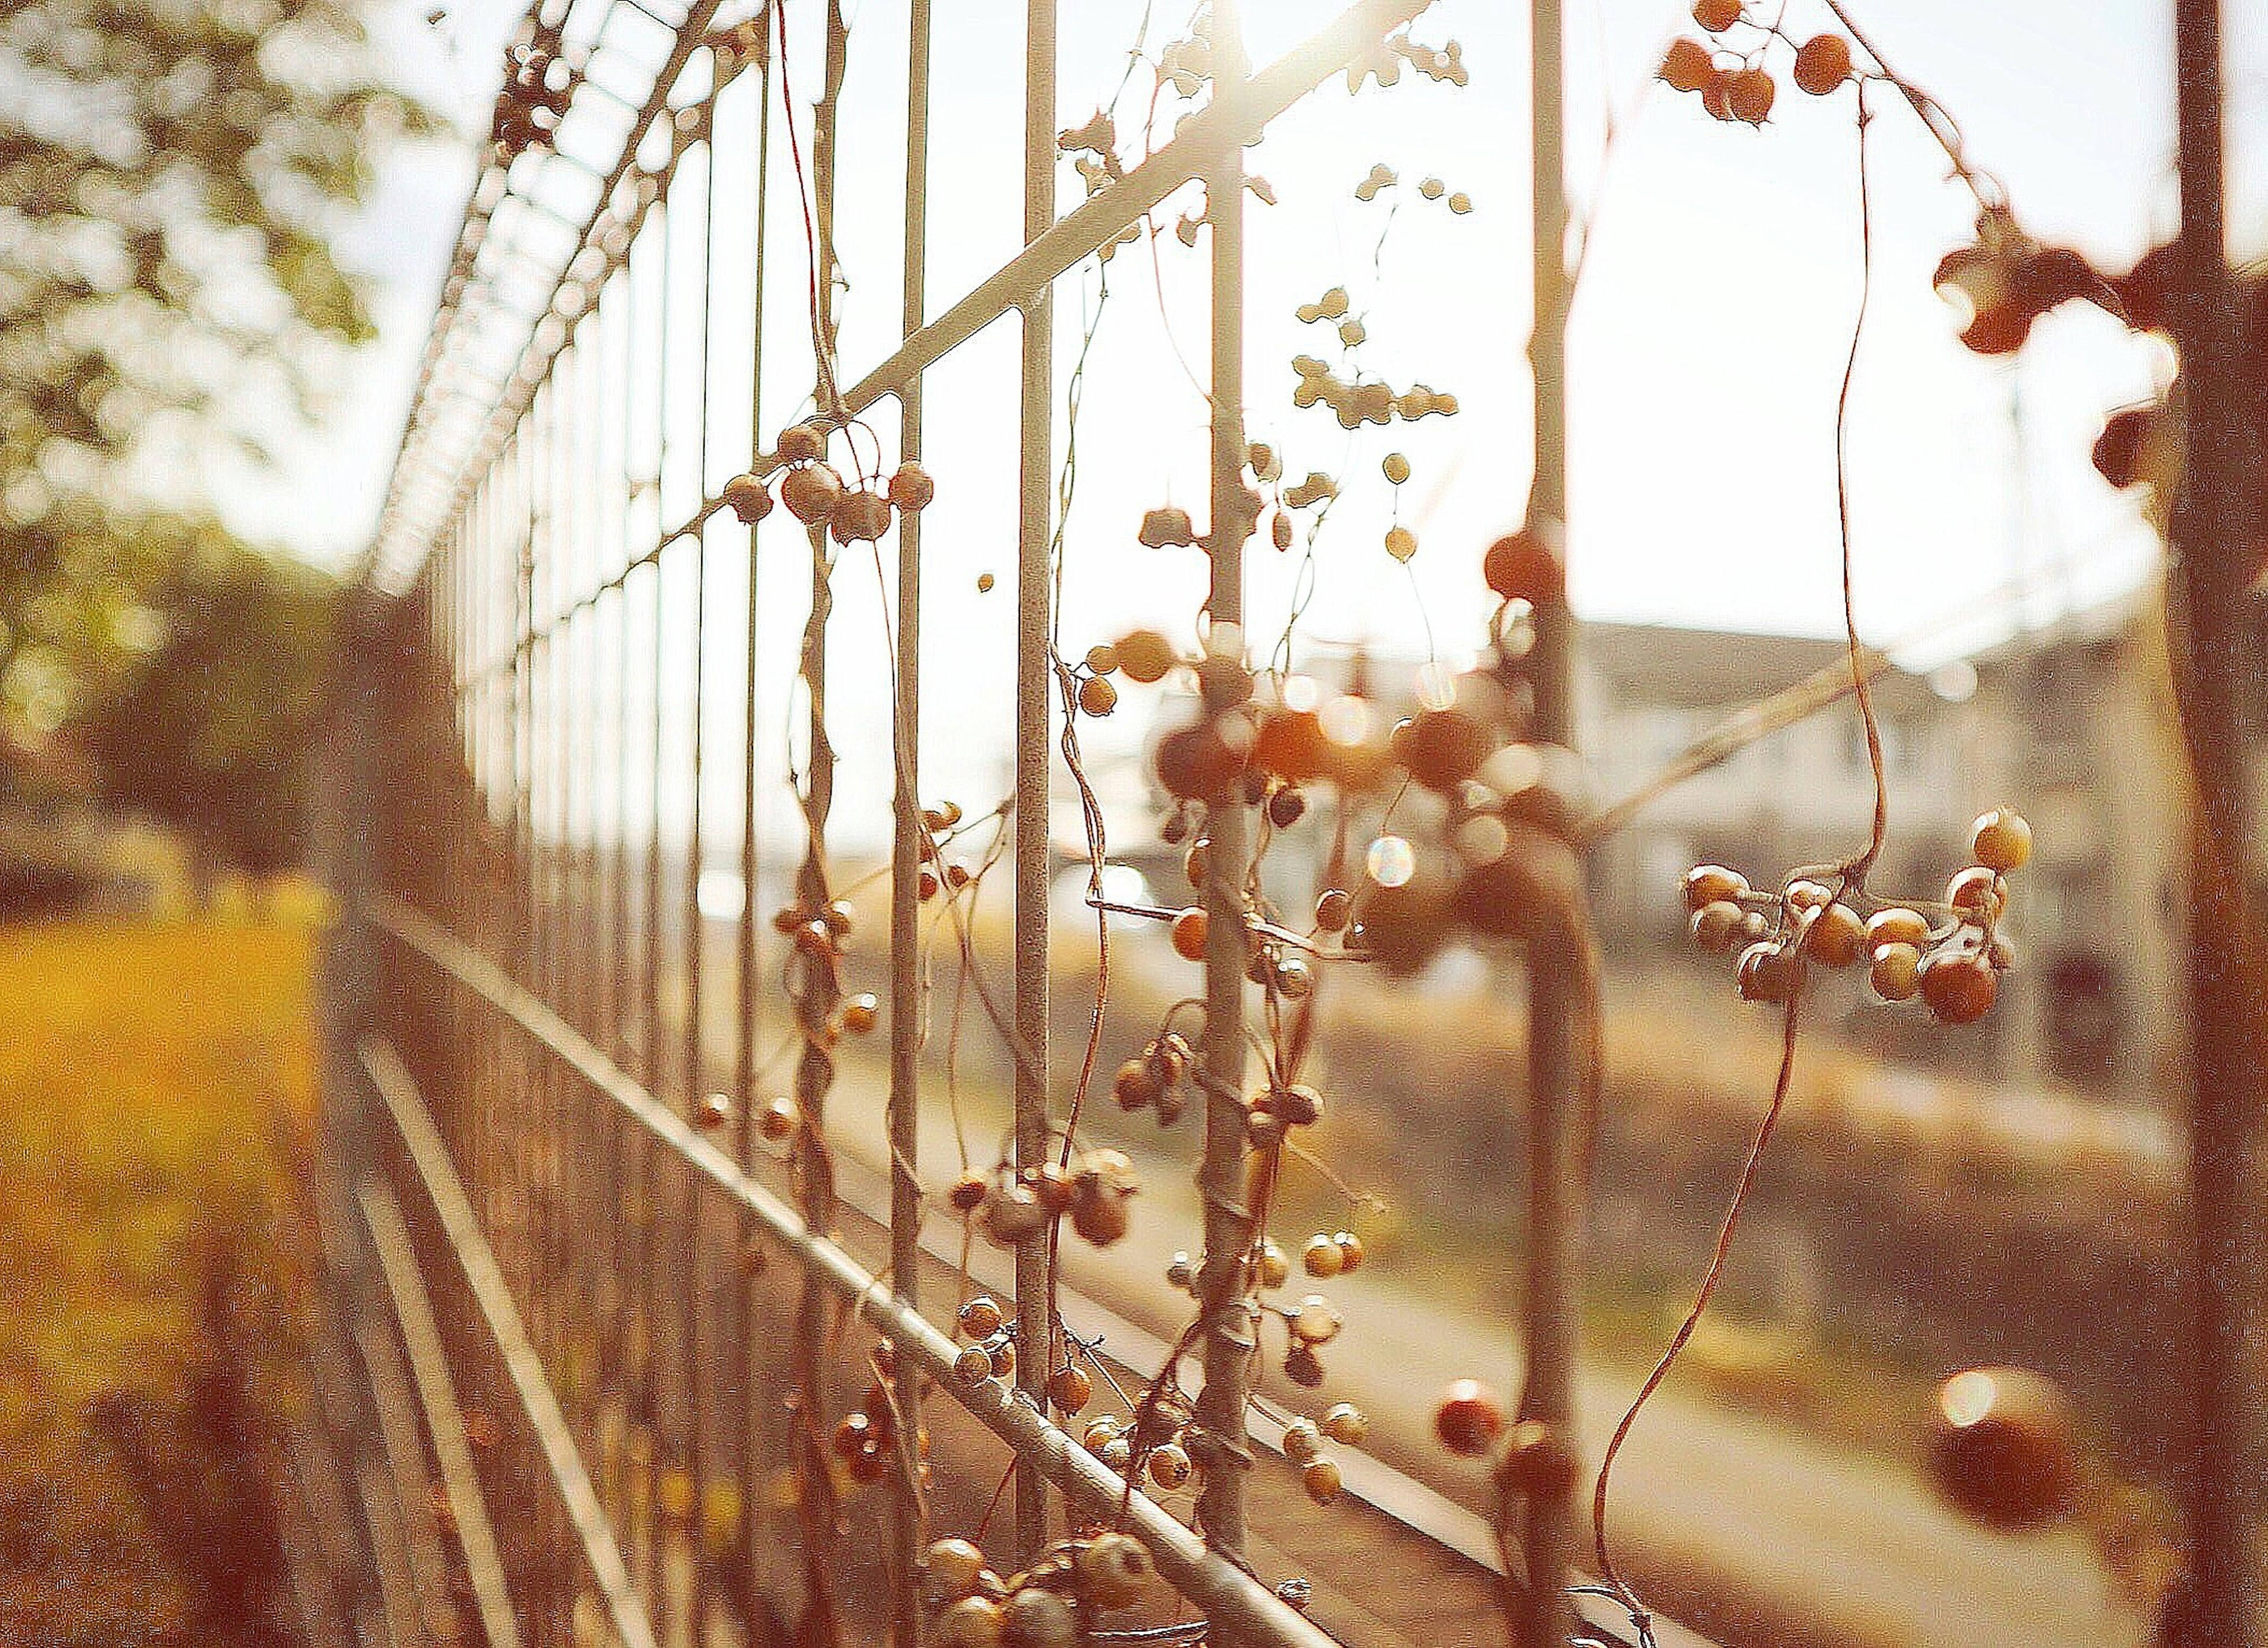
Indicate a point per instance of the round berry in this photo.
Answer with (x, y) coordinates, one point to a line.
(951, 1567)
(973, 1366)
(861, 1013)
(981, 1317)
(1275, 1267)
(1767, 972)
(1344, 1423)
(1718, 926)
(745, 497)
(1036, 1617)
(1191, 929)
(1401, 542)
(1350, 1249)
(801, 443)
(1147, 656)
(1397, 467)
(1097, 696)
(1822, 63)
(1713, 884)
(2002, 1447)
(1113, 1570)
(1686, 66)
(1169, 1466)
(1978, 893)
(714, 1110)
(1334, 908)
(1896, 925)
(1716, 16)
(1303, 1368)
(1469, 1419)
(1070, 1389)
(810, 493)
(1100, 1433)
(912, 489)
(1960, 986)
(1321, 1480)
(2003, 839)
(1521, 566)
(971, 1622)
(1322, 1258)
(1806, 896)
(778, 1119)
(1837, 936)
(1895, 973)
(1316, 1321)
(1303, 1440)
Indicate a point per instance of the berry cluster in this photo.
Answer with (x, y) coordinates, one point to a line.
(1533, 1458)
(1365, 401)
(1012, 1204)
(1733, 82)
(538, 86)
(1157, 1080)
(815, 493)
(1048, 1604)
(1952, 963)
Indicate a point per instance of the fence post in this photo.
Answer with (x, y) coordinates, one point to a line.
(1555, 1207)
(1223, 1284)
(2214, 618)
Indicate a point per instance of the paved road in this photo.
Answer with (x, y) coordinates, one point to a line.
(1709, 1502)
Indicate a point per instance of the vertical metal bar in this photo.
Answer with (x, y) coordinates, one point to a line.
(690, 1273)
(746, 1024)
(1231, 1329)
(1034, 681)
(1541, 1614)
(905, 855)
(818, 987)
(2214, 617)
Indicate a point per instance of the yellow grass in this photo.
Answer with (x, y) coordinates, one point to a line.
(153, 1081)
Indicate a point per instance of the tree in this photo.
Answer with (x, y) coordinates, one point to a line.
(171, 177)
(210, 734)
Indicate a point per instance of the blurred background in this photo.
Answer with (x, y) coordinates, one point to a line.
(225, 226)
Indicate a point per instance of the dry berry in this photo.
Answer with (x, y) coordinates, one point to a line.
(1146, 656)
(714, 1110)
(1469, 1418)
(1401, 542)
(1169, 1466)
(911, 489)
(2002, 1447)
(1896, 925)
(1134, 1086)
(1837, 936)
(1303, 1440)
(1097, 696)
(1191, 929)
(1303, 1368)
(1166, 529)
(1113, 1570)
(1397, 467)
(1895, 973)
(801, 443)
(1070, 1389)
(981, 1317)
(1321, 1480)
(1713, 884)
(1344, 1423)
(1718, 926)
(1767, 972)
(778, 1119)
(1959, 987)
(1316, 1321)
(1275, 1267)
(968, 1193)
(861, 1013)
(1279, 530)
(1822, 63)
(971, 1622)
(1686, 66)
(1350, 1249)
(1323, 1257)
(859, 517)
(1716, 16)
(1749, 94)
(1521, 566)
(2003, 841)
(1978, 893)
(746, 498)
(810, 493)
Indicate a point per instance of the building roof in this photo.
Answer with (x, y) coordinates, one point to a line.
(1710, 669)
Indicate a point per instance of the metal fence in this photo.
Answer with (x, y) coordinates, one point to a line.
(541, 981)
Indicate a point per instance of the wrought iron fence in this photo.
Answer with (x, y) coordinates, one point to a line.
(562, 644)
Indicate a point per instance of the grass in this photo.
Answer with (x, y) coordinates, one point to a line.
(155, 1083)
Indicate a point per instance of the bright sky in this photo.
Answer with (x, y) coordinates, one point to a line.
(1706, 351)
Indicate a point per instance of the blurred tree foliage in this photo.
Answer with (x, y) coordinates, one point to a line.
(172, 174)
(210, 732)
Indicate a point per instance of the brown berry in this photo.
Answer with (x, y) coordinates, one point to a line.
(861, 1013)
(1959, 987)
(1334, 908)
(1097, 696)
(1539, 1461)
(912, 489)
(1147, 656)
(1837, 936)
(1822, 63)
(1344, 1424)
(1169, 1466)
(1275, 1267)
(850, 1436)
(1070, 1389)
(1716, 16)
(1767, 972)
(745, 497)
(2002, 1447)
(2003, 839)
(810, 493)
(1896, 925)
(1713, 884)
(968, 1193)
(1279, 531)
(1303, 1440)
(951, 1567)
(1716, 927)
(1134, 1086)
(1321, 1480)
(1469, 1418)
(1749, 94)
(859, 517)
(984, 582)
(1686, 66)
(1191, 929)
(801, 443)
(1521, 566)
(1316, 1321)
(1166, 529)
(1895, 973)
(1113, 1570)
(1322, 1258)
(1442, 748)
(1978, 893)
(1350, 1249)
(1303, 1368)
(778, 1119)
(714, 1110)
